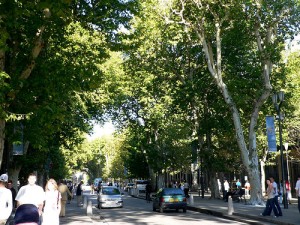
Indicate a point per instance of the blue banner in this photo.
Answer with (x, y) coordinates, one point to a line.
(271, 133)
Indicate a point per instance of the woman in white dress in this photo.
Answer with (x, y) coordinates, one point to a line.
(52, 204)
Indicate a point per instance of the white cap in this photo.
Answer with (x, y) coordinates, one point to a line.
(4, 178)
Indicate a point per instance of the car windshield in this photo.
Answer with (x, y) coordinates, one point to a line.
(141, 182)
(172, 191)
(110, 191)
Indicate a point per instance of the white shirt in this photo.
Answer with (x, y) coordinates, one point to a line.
(31, 194)
(226, 186)
(5, 203)
(186, 185)
(298, 187)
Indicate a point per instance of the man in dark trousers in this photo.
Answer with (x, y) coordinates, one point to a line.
(79, 193)
(148, 191)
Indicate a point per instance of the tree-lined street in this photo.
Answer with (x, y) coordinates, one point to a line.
(187, 85)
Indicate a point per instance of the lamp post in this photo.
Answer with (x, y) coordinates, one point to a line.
(286, 147)
(278, 99)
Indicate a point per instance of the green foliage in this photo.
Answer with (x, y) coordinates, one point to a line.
(53, 65)
(292, 87)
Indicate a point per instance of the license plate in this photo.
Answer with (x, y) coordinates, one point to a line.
(173, 200)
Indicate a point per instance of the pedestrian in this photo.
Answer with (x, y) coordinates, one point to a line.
(275, 189)
(148, 192)
(71, 189)
(288, 191)
(247, 188)
(31, 194)
(92, 189)
(65, 194)
(99, 186)
(182, 185)
(270, 205)
(238, 184)
(13, 192)
(6, 204)
(79, 193)
(27, 214)
(52, 204)
(226, 189)
(186, 189)
(298, 192)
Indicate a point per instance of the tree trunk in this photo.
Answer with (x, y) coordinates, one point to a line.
(2, 139)
(160, 181)
(248, 153)
(13, 174)
(214, 186)
(263, 176)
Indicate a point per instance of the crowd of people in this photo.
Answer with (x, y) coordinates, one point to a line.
(33, 204)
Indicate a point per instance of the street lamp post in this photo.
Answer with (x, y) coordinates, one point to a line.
(286, 147)
(278, 99)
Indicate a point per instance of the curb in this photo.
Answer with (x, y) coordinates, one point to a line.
(238, 217)
(249, 219)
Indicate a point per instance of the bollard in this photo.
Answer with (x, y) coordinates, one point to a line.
(191, 199)
(89, 209)
(230, 206)
(85, 202)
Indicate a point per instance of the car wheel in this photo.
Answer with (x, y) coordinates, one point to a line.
(184, 210)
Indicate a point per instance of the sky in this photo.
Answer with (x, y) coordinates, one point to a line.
(99, 131)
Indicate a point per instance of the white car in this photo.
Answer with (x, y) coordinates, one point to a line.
(141, 185)
(86, 187)
(110, 197)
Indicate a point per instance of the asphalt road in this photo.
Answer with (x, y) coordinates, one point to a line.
(138, 212)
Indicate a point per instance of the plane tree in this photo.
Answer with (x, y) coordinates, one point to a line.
(50, 56)
(263, 26)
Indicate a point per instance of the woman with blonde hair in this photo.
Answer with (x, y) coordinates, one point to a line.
(52, 204)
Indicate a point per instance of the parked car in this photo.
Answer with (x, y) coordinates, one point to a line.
(128, 186)
(141, 185)
(169, 198)
(110, 197)
(86, 187)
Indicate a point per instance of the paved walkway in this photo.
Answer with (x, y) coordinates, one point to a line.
(242, 212)
(76, 215)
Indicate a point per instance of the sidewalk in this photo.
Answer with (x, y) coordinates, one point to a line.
(76, 215)
(243, 212)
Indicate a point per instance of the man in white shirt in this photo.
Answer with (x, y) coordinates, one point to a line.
(298, 191)
(275, 188)
(5, 200)
(31, 194)
(226, 189)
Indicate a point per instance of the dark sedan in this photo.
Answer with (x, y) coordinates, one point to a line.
(169, 198)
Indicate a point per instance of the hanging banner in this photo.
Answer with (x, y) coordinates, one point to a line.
(271, 133)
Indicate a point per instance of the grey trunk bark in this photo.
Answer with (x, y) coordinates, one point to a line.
(2, 138)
